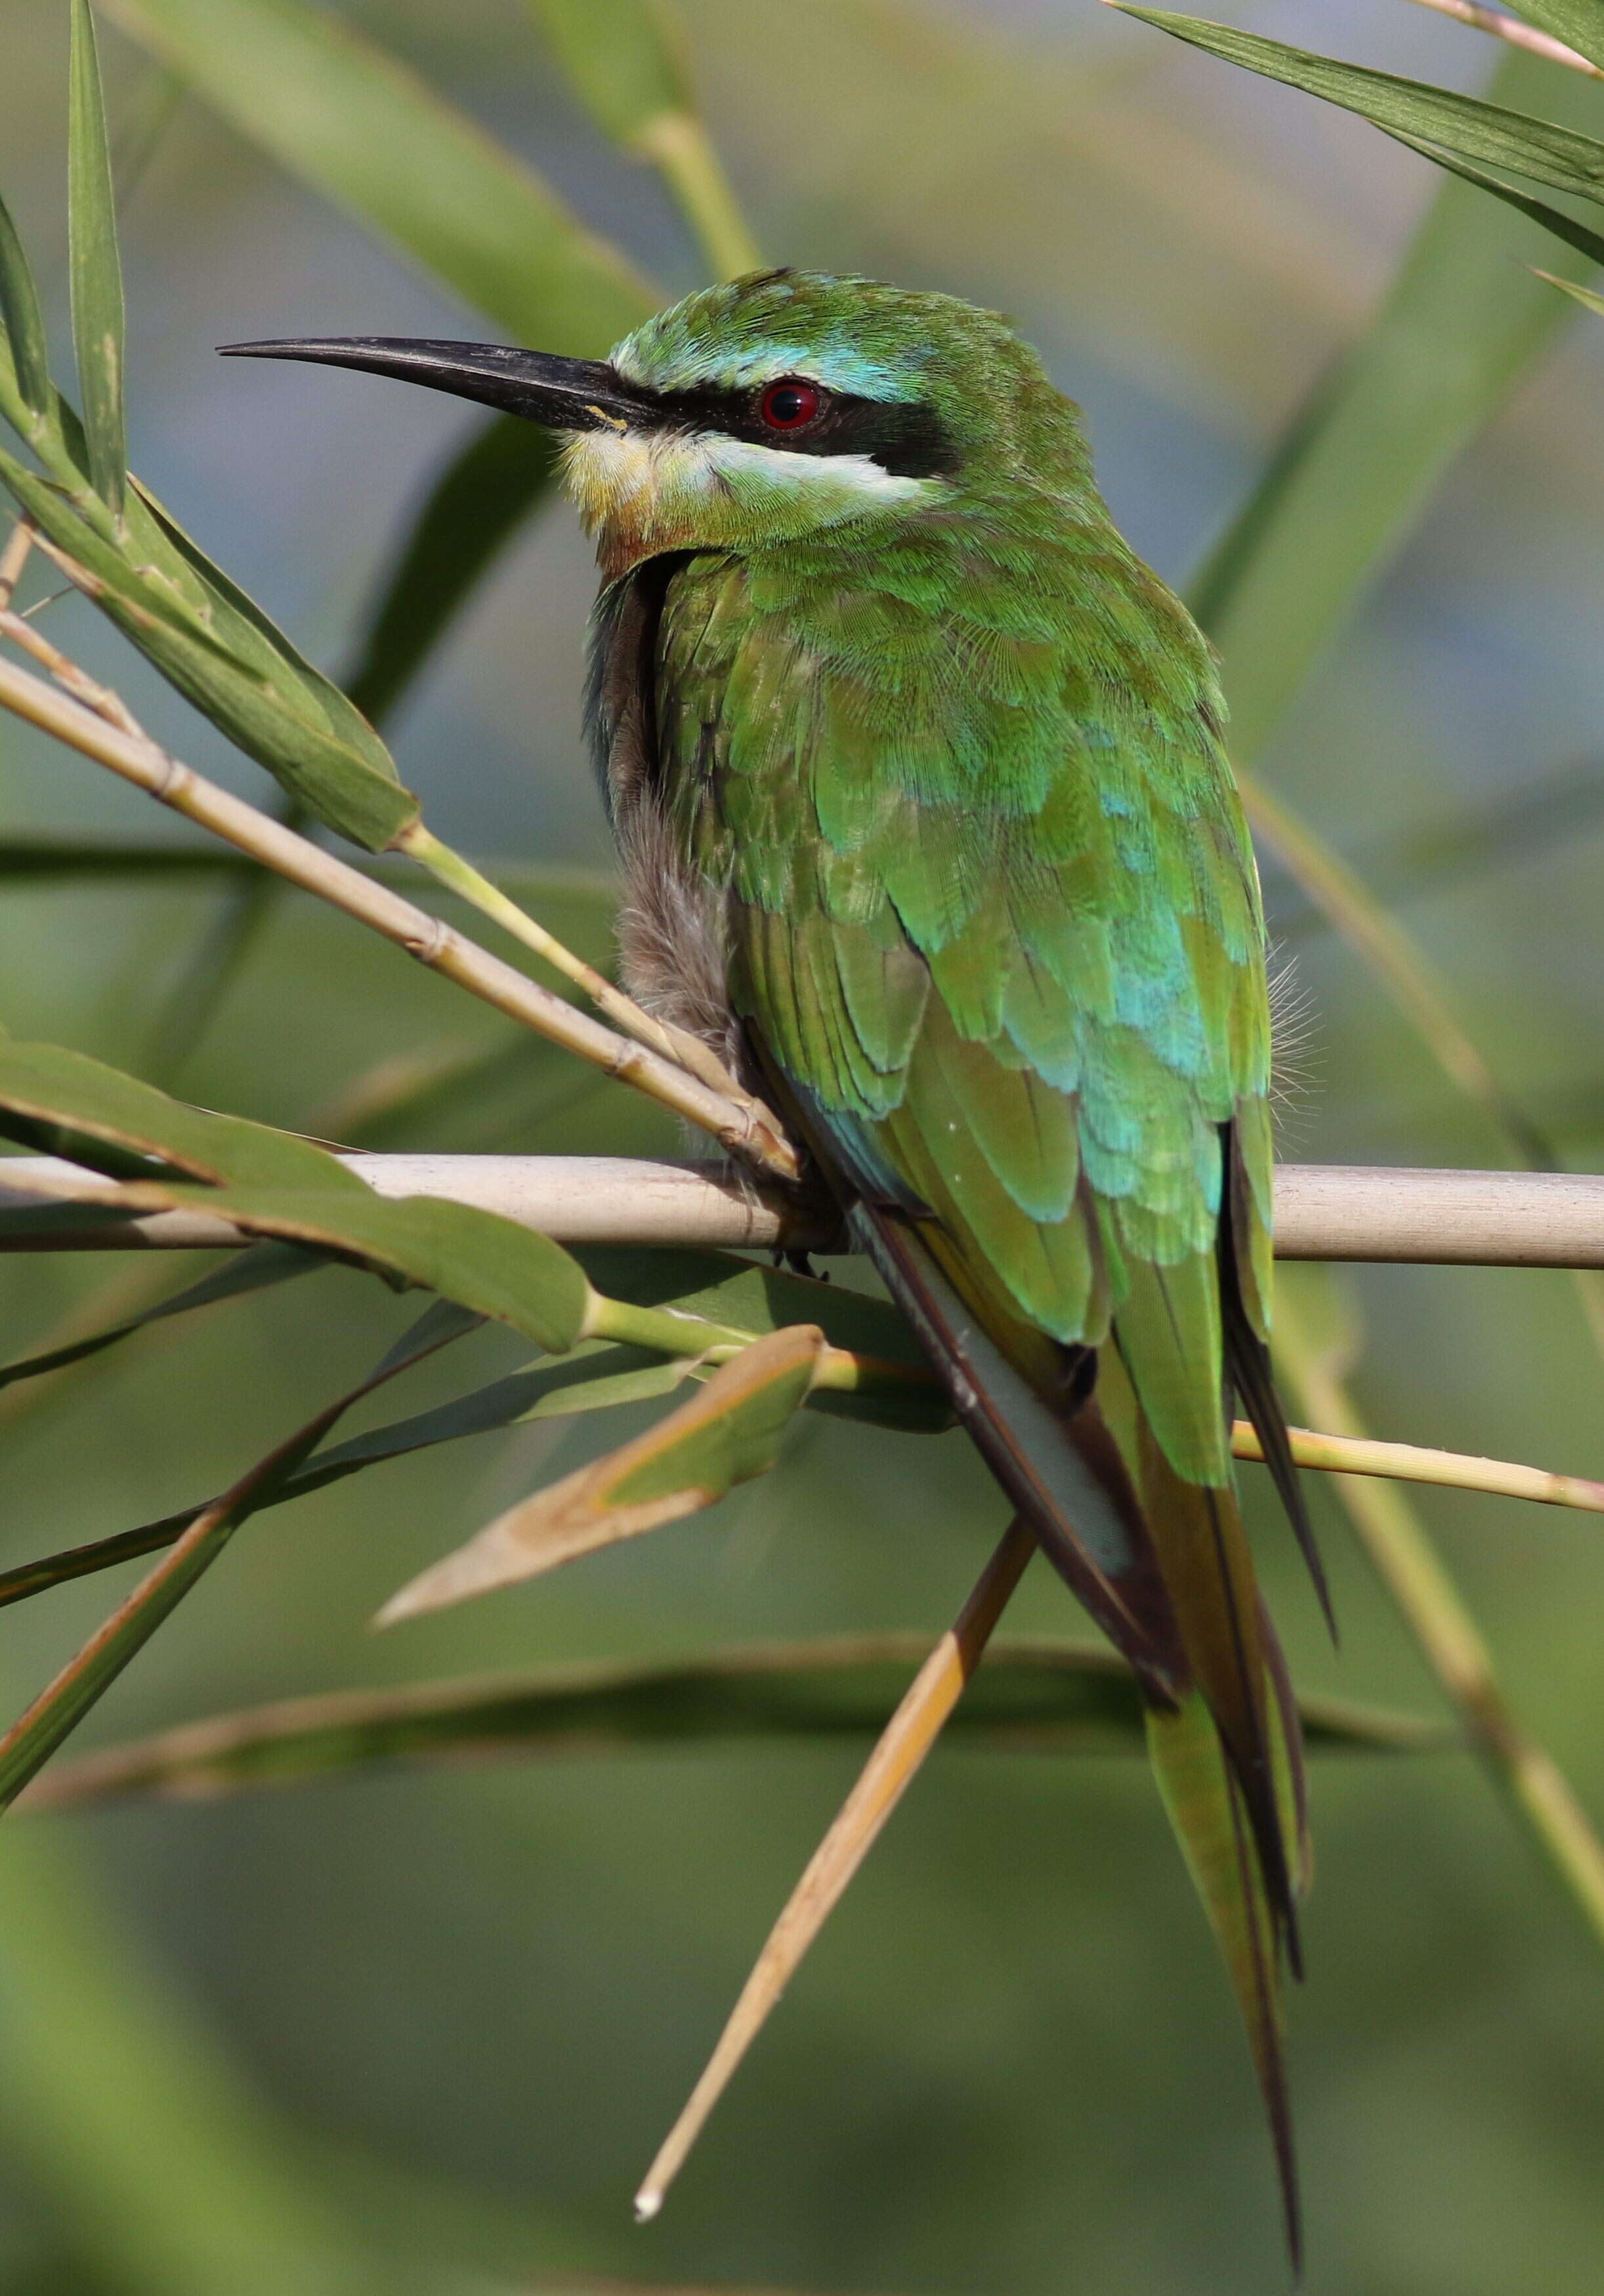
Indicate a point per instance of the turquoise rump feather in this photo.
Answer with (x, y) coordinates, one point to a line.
(919, 780)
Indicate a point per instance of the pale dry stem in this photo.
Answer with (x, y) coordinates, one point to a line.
(898, 1753)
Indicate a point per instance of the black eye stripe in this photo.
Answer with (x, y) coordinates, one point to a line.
(908, 441)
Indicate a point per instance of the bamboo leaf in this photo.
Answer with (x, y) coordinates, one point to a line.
(474, 509)
(63, 1704)
(597, 1375)
(626, 62)
(1032, 1696)
(248, 1272)
(210, 642)
(65, 1104)
(24, 325)
(1587, 243)
(1582, 295)
(98, 324)
(347, 118)
(1462, 320)
(728, 1433)
(625, 59)
(1578, 24)
(1541, 149)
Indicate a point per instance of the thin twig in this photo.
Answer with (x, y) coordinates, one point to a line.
(1509, 28)
(899, 1752)
(1410, 1463)
(1402, 1553)
(13, 559)
(460, 877)
(139, 760)
(101, 699)
(448, 868)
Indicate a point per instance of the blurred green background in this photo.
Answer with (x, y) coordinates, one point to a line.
(422, 2032)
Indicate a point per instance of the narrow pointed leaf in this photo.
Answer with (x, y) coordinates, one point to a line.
(23, 323)
(1541, 149)
(475, 506)
(217, 648)
(63, 1704)
(347, 118)
(1589, 245)
(1582, 295)
(248, 1272)
(98, 327)
(731, 1431)
(1578, 24)
(64, 1103)
(624, 58)
(1032, 1696)
(596, 1376)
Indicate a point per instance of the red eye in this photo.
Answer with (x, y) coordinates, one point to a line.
(789, 405)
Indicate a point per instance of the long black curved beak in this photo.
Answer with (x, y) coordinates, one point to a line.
(564, 394)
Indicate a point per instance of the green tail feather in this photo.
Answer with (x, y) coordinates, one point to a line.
(1205, 1805)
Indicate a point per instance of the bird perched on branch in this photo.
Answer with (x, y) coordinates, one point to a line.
(918, 776)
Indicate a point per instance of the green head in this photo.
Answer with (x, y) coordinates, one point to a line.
(767, 409)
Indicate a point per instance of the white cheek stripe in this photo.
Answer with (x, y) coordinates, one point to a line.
(820, 474)
(612, 472)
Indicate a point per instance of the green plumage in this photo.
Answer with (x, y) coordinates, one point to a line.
(951, 777)
(918, 776)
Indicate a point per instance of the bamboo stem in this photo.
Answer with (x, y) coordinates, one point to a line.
(1405, 1560)
(1341, 1212)
(138, 759)
(891, 1769)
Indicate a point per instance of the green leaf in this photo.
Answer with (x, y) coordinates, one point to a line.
(1463, 319)
(1579, 23)
(625, 59)
(30, 859)
(626, 62)
(60, 1708)
(98, 324)
(728, 1433)
(474, 510)
(208, 640)
(344, 116)
(1582, 295)
(723, 1288)
(596, 1375)
(1543, 150)
(1031, 1696)
(64, 1103)
(24, 325)
(1587, 243)
(477, 1258)
(245, 1272)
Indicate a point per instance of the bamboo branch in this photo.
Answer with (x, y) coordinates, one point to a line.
(470, 884)
(1404, 1559)
(1323, 1211)
(138, 759)
(1510, 28)
(891, 1769)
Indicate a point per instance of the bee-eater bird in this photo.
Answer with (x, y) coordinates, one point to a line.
(927, 828)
